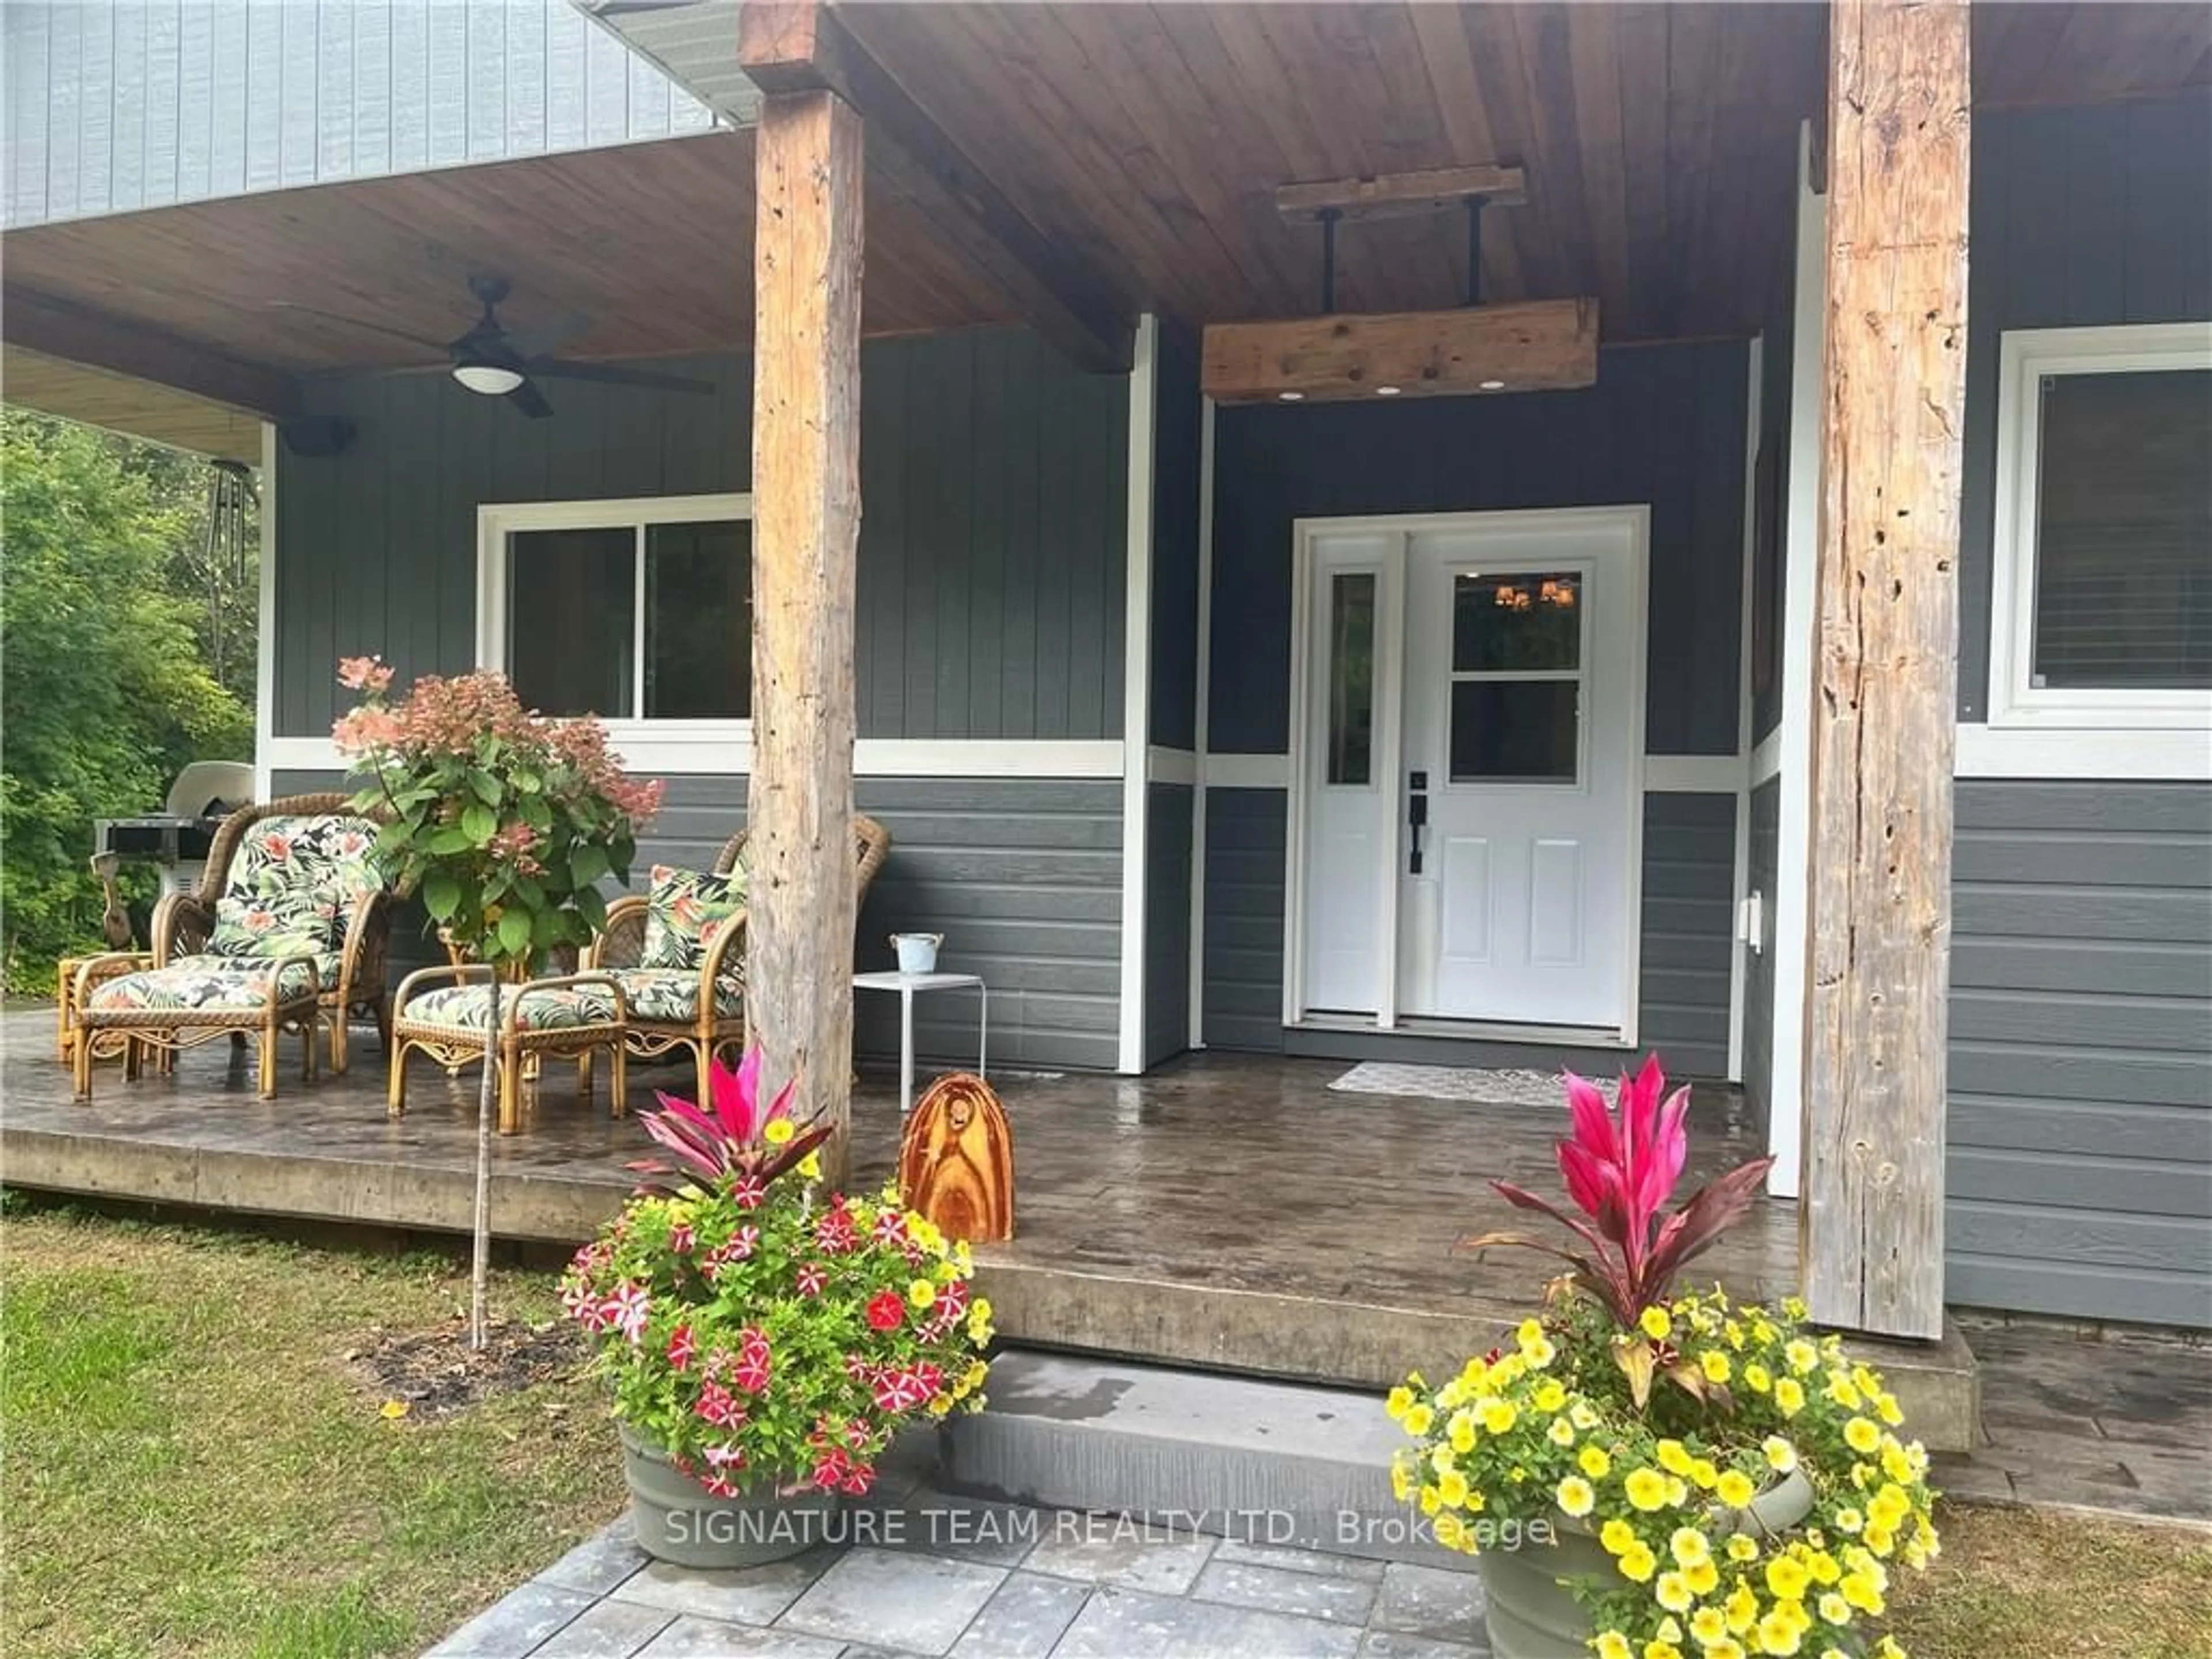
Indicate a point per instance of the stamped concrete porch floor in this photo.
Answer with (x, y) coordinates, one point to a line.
(1225, 1211)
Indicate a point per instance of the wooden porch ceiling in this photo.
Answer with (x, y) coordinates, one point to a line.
(1145, 141)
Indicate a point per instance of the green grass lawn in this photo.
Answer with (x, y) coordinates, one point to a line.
(191, 1468)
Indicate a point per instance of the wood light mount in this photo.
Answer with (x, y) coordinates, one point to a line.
(1533, 346)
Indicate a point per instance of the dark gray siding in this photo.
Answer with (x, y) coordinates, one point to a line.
(1689, 914)
(1022, 875)
(2080, 217)
(1246, 832)
(1662, 426)
(1689, 863)
(112, 107)
(1759, 965)
(992, 551)
(1167, 921)
(1175, 446)
(2080, 1168)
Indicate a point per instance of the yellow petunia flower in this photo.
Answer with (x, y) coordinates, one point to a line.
(1672, 1592)
(1742, 1547)
(1715, 1363)
(1777, 1636)
(1755, 1378)
(1734, 1488)
(1612, 1644)
(1704, 1473)
(1789, 1395)
(809, 1167)
(1802, 1356)
(1704, 1578)
(1862, 1436)
(1726, 1648)
(1886, 1409)
(1617, 1536)
(1646, 1489)
(1834, 1609)
(778, 1132)
(1656, 1323)
(1402, 1480)
(1398, 1402)
(1786, 1577)
(1708, 1626)
(1561, 1433)
(1781, 1456)
(1540, 1353)
(922, 1292)
(1575, 1496)
(1639, 1563)
(1674, 1457)
(1498, 1415)
(1583, 1415)
(1461, 1431)
(1550, 1395)
(1743, 1609)
(1418, 1420)
(1661, 1649)
(1451, 1487)
(1594, 1463)
(1689, 1546)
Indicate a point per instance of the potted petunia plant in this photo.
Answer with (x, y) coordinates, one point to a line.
(1650, 1473)
(765, 1341)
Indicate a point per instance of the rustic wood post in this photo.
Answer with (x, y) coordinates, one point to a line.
(801, 887)
(1871, 1240)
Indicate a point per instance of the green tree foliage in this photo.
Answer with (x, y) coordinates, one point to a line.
(105, 687)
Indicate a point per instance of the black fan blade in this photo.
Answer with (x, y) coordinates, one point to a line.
(529, 400)
(548, 337)
(611, 375)
(361, 322)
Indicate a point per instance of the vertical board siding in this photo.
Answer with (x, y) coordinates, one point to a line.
(1689, 914)
(991, 554)
(1175, 444)
(147, 103)
(2080, 1168)
(1022, 875)
(2082, 217)
(1760, 964)
(1663, 426)
(1169, 811)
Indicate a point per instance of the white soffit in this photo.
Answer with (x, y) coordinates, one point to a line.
(693, 42)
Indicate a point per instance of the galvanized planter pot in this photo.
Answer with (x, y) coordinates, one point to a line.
(1530, 1615)
(676, 1520)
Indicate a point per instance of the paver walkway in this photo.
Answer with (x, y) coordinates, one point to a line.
(934, 1574)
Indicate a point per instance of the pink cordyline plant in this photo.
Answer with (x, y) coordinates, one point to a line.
(1621, 1169)
(729, 1136)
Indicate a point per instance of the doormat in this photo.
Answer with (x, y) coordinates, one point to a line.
(1491, 1086)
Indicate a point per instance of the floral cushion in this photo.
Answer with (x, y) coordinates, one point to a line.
(291, 875)
(463, 1007)
(684, 912)
(211, 982)
(671, 994)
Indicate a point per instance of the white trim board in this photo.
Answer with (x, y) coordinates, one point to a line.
(1201, 712)
(1693, 775)
(265, 645)
(2138, 753)
(1137, 688)
(662, 755)
(1738, 947)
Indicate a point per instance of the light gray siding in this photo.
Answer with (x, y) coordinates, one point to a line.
(2081, 218)
(1689, 864)
(992, 551)
(113, 105)
(1022, 877)
(2080, 1168)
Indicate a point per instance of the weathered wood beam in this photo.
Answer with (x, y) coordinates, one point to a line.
(801, 888)
(77, 334)
(802, 46)
(1871, 1214)
(1402, 194)
(1545, 345)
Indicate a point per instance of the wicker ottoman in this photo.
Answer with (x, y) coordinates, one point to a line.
(442, 1012)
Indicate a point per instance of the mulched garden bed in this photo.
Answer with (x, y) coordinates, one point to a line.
(435, 1373)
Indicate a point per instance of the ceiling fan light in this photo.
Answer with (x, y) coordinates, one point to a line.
(489, 380)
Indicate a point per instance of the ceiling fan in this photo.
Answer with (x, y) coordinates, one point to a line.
(495, 361)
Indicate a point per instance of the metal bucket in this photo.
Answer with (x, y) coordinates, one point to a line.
(917, 952)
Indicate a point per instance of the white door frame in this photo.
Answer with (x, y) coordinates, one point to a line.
(1389, 662)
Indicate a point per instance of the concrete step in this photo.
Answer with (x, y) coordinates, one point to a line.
(1279, 1463)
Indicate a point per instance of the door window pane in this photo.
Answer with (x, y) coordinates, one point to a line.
(1515, 731)
(1527, 621)
(572, 615)
(698, 620)
(2123, 530)
(1351, 677)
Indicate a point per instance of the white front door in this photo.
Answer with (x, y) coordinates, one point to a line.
(1470, 770)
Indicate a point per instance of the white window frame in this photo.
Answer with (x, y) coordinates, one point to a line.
(2026, 357)
(702, 746)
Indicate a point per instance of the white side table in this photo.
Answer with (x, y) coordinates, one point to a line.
(906, 985)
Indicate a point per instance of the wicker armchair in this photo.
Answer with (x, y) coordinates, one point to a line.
(295, 870)
(704, 1012)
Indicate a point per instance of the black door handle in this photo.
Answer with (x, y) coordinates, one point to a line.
(1417, 819)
